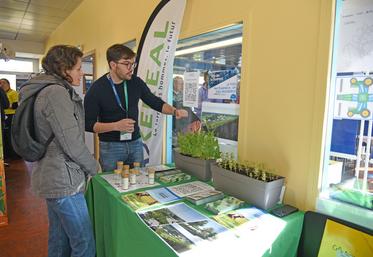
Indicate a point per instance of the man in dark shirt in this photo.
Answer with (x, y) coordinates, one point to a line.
(111, 109)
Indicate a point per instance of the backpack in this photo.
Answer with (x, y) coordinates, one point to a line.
(23, 137)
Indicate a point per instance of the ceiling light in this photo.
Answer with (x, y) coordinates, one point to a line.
(228, 42)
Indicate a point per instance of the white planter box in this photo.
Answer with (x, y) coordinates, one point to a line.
(259, 193)
(194, 166)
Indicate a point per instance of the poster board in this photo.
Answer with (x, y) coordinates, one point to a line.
(3, 206)
(354, 97)
(223, 84)
(343, 241)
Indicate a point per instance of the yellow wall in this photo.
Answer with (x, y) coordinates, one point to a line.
(285, 66)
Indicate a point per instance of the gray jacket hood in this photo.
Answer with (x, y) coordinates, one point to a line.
(34, 85)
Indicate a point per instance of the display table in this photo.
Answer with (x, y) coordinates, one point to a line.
(119, 232)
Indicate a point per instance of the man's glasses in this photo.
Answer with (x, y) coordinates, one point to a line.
(129, 65)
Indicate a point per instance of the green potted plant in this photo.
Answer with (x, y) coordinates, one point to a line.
(196, 152)
(252, 182)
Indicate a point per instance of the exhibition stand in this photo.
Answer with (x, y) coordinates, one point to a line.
(119, 230)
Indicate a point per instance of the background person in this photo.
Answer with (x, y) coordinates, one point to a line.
(9, 113)
(60, 175)
(4, 103)
(111, 108)
(177, 101)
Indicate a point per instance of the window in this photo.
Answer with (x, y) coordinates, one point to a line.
(16, 66)
(206, 83)
(347, 179)
(131, 44)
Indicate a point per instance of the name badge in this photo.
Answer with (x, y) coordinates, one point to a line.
(125, 136)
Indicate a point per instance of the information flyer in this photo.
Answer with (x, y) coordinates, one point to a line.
(223, 84)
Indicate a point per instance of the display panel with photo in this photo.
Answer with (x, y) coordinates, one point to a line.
(222, 119)
(209, 65)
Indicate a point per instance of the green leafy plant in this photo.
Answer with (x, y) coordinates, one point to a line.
(203, 145)
(251, 169)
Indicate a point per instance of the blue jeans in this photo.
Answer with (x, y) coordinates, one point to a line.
(126, 151)
(70, 228)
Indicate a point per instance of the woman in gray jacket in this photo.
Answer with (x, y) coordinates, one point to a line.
(60, 176)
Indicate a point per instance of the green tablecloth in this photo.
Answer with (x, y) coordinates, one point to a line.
(119, 232)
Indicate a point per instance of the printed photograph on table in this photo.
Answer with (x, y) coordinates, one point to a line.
(184, 236)
(228, 203)
(182, 227)
(176, 213)
(144, 199)
(233, 219)
(174, 238)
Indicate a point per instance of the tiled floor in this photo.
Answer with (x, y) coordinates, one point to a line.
(27, 232)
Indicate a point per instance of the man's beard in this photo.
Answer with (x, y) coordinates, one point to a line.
(121, 76)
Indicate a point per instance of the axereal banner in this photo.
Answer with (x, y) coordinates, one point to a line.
(155, 58)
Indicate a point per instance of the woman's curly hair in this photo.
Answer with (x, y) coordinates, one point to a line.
(59, 59)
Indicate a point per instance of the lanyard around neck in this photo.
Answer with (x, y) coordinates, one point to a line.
(117, 96)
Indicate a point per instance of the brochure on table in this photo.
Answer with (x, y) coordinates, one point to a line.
(172, 178)
(189, 233)
(148, 198)
(190, 188)
(153, 197)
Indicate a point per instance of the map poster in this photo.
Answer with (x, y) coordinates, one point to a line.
(355, 41)
(354, 97)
